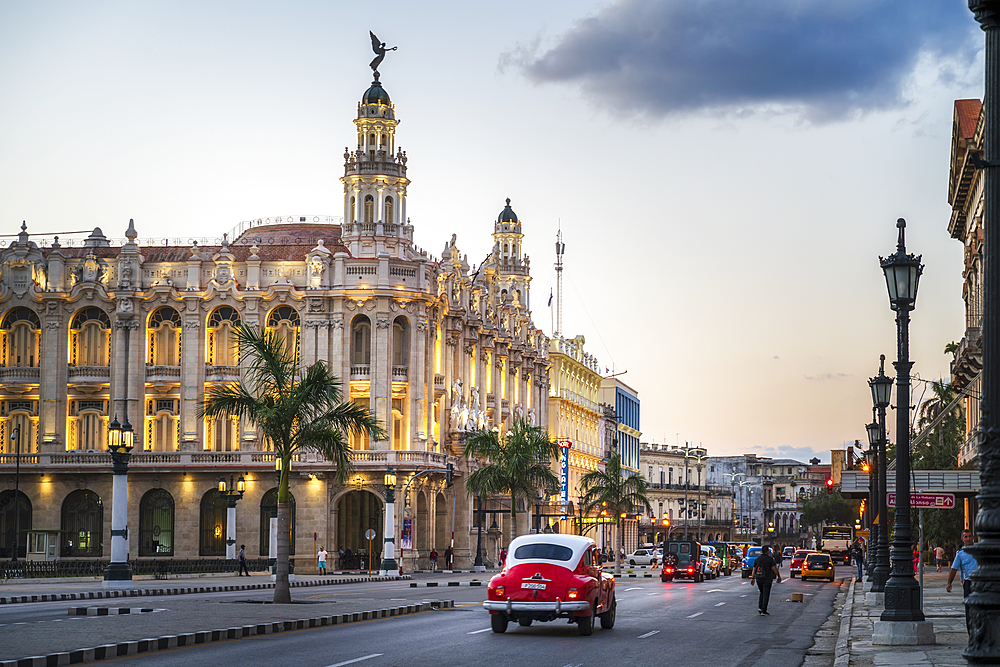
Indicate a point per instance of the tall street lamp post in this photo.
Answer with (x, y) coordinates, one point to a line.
(874, 437)
(984, 599)
(389, 566)
(15, 435)
(902, 622)
(118, 575)
(479, 566)
(881, 388)
(232, 492)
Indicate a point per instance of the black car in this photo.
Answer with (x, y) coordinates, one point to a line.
(682, 560)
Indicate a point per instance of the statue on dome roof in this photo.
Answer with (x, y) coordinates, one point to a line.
(379, 49)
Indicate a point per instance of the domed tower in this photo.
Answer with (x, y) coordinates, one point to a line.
(375, 181)
(511, 265)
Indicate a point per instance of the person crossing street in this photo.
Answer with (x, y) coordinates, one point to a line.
(764, 572)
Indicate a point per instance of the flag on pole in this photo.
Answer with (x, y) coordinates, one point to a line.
(549, 304)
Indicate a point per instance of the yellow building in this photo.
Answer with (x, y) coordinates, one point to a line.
(574, 414)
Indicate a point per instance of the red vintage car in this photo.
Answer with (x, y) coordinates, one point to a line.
(548, 577)
(798, 558)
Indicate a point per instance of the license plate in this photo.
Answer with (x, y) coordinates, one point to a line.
(528, 584)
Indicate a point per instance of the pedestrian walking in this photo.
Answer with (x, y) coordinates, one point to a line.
(503, 557)
(764, 572)
(321, 558)
(434, 560)
(916, 558)
(963, 565)
(939, 557)
(241, 557)
(858, 554)
(621, 554)
(447, 558)
(340, 553)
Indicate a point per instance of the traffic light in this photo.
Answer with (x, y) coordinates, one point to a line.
(829, 485)
(770, 526)
(449, 475)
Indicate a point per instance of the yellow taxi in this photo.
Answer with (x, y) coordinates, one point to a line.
(818, 566)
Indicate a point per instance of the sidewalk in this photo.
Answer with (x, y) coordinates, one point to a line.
(945, 610)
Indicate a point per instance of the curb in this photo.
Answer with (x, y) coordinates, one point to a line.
(110, 611)
(432, 584)
(842, 654)
(147, 592)
(167, 642)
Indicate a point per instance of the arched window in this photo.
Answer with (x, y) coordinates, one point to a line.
(385, 142)
(285, 324)
(388, 211)
(87, 430)
(359, 441)
(156, 523)
(361, 341)
(371, 141)
(90, 338)
(20, 330)
(268, 511)
(19, 422)
(369, 208)
(213, 524)
(353, 209)
(400, 343)
(221, 434)
(222, 347)
(82, 525)
(8, 520)
(164, 338)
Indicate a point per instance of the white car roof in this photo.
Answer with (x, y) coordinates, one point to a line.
(577, 543)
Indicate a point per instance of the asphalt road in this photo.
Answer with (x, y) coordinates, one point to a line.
(712, 623)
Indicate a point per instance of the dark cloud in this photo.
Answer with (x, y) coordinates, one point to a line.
(826, 59)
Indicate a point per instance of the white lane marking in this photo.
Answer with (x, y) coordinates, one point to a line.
(715, 590)
(648, 634)
(691, 616)
(743, 596)
(476, 632)
(351, 662)
(744, 583)
(637, 588)
(651, 594)
(720, 604)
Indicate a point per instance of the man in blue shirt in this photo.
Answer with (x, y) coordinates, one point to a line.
(963, 564)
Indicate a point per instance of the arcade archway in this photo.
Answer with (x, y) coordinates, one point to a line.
(357, 512)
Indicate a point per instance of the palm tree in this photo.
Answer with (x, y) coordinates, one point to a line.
(949, 429)
(517, 463)
(623, 493)
(295, 409)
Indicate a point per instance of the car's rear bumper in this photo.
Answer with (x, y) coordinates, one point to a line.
(558, 607)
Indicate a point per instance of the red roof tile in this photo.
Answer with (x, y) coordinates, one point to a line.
(967, 115)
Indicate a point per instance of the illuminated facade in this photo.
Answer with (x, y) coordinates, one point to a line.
(575, 414)
(140, 328)
(965, 195)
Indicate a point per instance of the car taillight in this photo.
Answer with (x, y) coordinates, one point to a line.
(690, 569)
(669, 570)
(499, 590)
(572, 594)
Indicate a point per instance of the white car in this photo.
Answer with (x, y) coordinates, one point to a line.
(641, 557)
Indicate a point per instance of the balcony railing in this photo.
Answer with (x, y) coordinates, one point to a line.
(163, 373)
(400, 373)
(361, 371)
(89, 373)
(222, 373)
(19, 374)
(305, 461)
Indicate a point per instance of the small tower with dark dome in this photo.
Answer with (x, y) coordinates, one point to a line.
(511, 265)
(375, 181)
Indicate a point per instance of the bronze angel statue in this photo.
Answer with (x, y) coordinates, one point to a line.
(379, 49)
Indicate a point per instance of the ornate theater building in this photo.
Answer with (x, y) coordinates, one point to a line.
(97, 328)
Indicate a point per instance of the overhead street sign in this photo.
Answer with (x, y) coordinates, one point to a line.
(925, 501)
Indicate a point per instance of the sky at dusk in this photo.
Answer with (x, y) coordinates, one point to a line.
(725, 174)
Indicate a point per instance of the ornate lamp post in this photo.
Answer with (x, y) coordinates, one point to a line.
(120, 440)
(881, 388)
(479, 566)
(15, 435)
(984, 599)
(902, 622)
(874, 438)
(232, 492)
(389, 566)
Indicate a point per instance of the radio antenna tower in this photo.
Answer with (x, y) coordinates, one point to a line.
(560, 249)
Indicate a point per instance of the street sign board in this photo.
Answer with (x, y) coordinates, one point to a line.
(369, 534)
(926, 501)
